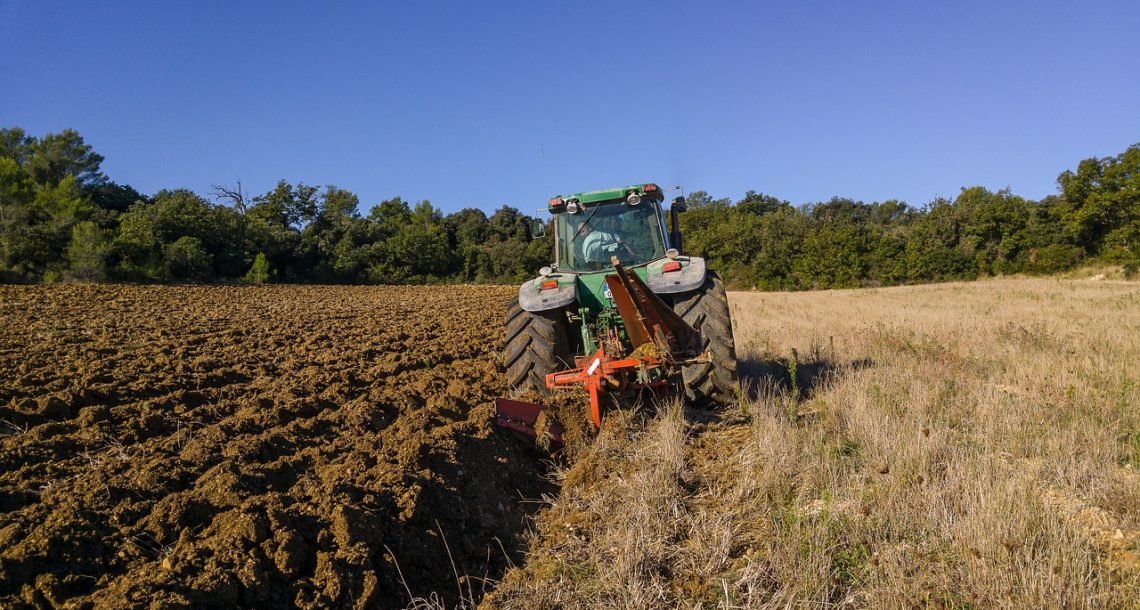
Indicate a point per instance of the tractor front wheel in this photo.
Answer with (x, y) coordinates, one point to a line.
(706, 309)
(536, 343)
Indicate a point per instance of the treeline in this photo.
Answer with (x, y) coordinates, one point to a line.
(763, 242)
(62, 218)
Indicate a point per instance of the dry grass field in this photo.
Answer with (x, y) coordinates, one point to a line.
(966, 445)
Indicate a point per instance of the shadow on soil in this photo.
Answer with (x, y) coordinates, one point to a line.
(470, 522)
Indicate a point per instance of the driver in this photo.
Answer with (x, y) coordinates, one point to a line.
(597, 245)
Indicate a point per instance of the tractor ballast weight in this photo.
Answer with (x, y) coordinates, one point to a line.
(646, 317)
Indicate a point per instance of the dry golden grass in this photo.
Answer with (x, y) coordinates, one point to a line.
(967, 445)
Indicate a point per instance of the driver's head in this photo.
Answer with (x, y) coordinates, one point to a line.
(586, 228)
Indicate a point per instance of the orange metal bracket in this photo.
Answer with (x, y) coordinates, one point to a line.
(598, 372)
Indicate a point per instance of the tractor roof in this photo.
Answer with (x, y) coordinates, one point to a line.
(647, 190)
(618, 192)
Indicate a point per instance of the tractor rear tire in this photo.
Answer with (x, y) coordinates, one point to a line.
(536, 343)
(706, 309)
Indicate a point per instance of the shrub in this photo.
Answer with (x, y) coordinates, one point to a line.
(259, 272)
(1055, 258)
(1130, 270)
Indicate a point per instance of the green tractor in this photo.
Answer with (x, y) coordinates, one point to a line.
(621, 308)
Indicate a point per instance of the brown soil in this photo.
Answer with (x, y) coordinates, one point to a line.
(257, 447)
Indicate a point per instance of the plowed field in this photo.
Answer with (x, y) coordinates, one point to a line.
(261, 447)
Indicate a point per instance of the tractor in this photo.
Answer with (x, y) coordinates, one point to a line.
(622, 309)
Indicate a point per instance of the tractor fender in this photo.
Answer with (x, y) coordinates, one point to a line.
(690, 276)
(533, 298)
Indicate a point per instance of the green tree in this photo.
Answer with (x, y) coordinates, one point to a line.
(334, 245)
(87, 252)
(259, 271)
(508, 223)
(280, 245)
(337, 204)
(760, 204)
(57, 156)
(390, 215)
(179, 212)
(778, 239)
(222, 231)
(137, 251)
(932, 252)
(117, 198)
(287, 206)
(419, 251)
(16, 217)
(15, 145)
(467, 232)
(353, 254)
(993, 229)
(1100, 205)
(50, 217)
(507, 259)
(835, 248)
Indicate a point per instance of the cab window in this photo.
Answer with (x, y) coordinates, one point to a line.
(587, 240)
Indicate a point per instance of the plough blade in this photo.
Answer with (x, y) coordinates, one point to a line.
(521, 418)
(647, 318)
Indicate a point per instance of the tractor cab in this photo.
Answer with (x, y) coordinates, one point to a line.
(594, 228)
(591, 228)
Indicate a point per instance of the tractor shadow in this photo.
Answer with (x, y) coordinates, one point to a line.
(470, 521)
(793, 376)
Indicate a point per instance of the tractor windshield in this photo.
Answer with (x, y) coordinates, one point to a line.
(588, 239)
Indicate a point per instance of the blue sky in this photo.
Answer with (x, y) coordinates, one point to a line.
(490, 103)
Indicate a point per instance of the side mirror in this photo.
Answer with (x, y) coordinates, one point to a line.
(674, 216)
(537, 228)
